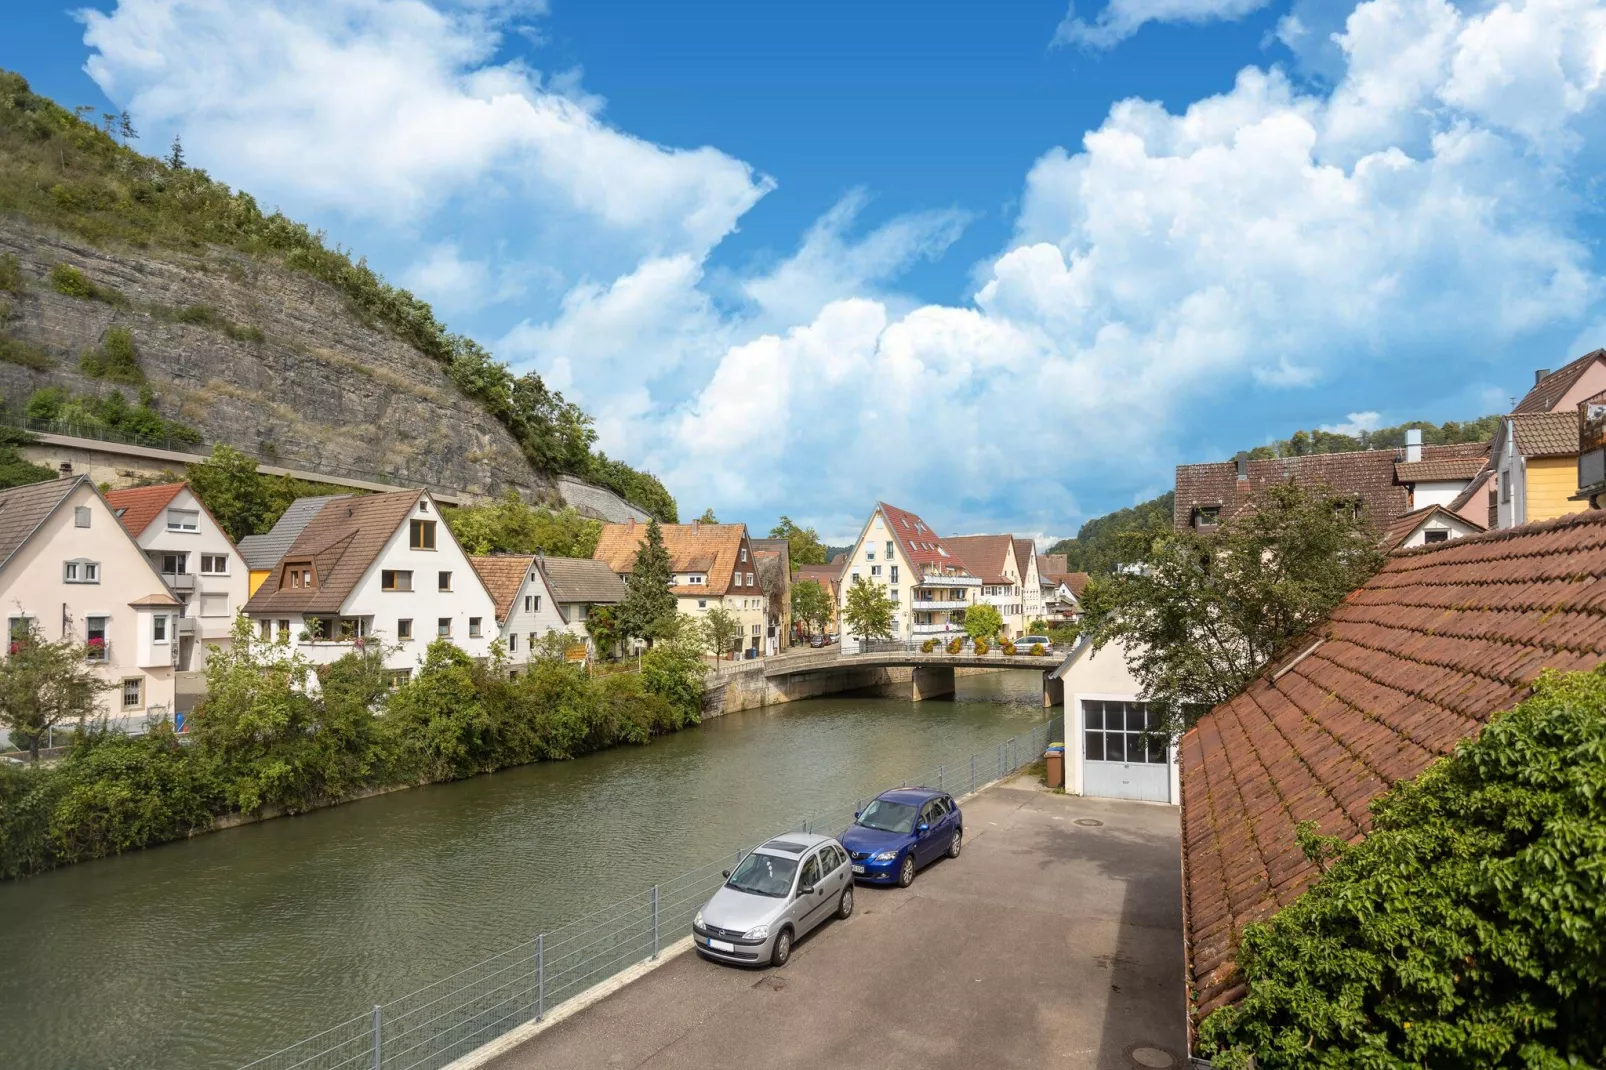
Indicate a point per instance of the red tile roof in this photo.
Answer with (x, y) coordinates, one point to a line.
(1548, 392)
(921, 547)
(1417, 659)
(983, 555)
(136, 507)
(1403, 527)
(503, 576)
(341, 542)
(1077, 582)
(1545, 434)
(1369, 474)
(713, 549)
(1448, 468)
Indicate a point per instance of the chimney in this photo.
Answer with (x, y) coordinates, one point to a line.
(696, 526)
(1539, 374)
(64, 470)
(1243, 465)
(632, 526)
(1413, 445)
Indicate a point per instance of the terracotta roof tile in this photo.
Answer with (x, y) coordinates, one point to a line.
(1548, 392)
(1449, 468)
(342, 542)
(983, 555)
(503, 576)
(921, 546)
(1546, 434)
(714, 549)
(1409, 664)
(136, 507)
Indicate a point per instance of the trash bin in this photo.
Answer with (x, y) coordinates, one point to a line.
(1054, 757)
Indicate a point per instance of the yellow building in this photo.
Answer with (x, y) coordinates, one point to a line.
(1535, 457)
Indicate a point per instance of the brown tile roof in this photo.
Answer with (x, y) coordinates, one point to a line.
(1053, 564)
(825, 575)
(1448, 469)
(778, 546)
(1548, 392)
(575, 580)
(983, 555)
(1417, 659)
(160, 598)
(1369, 474)
(924, 551)
(503, 575)
(1025, 554)
(1402, 527)
(1077, 582)
(1546, 434)
(136, 507)
(342, 542)
(23, 509)
(711, 548)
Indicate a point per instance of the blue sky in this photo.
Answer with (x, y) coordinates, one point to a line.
(1005, 265)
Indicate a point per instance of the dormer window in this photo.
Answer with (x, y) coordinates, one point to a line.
(80, 571)
(1206, 516)
(297, 576)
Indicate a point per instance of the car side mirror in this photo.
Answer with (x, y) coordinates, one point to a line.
(857, 814)
(923, 828)
(807, 889)
(725, 873)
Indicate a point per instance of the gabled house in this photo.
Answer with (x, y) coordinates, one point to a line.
(525, 607)
(580, 585)
(829, 577)
(712, 565)
(774, 557)
(68, 568)
(1534, 456)
(1031, 581)
(381, 566)
(1004, 582)
(929, 584)
(1417, 659)
(1061, 588)
(263, 553)
(1428, 526)
(196, 559)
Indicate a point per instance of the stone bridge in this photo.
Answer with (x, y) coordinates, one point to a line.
(905, 674)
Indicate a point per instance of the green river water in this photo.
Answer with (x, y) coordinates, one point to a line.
(212, 952)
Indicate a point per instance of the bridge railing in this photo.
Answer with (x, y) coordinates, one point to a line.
(441, 1022)
(913, 646)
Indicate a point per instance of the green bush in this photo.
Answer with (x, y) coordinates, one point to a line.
(25, 354)
(115, 359)
(11, 274)
(113, 413)
(207, 316)
(66, 279)
(1467, 929)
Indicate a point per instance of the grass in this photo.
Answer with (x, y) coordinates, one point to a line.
(24, 354)
(11, 274)
(66, 279)
(207, 316)
(114, 360)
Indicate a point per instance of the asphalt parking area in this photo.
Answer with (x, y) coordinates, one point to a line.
(1054, 940)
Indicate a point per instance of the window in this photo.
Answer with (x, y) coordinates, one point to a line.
(80, 516)
(393, 579)
(1122, 732)
(423, 506)
(537, 605)
(894, 593)
(513, 643)
(183, 520)
(1435, 536)
(297, 575)
(892, 573)
(214, 604)
(875, 570)
(443, 581)
(400, 676)
(811, 873)
(159, 628)
(531, 644)
(869, 555)
(744, 553)
(133, 687)
(80, 571)
(702, 603)
(695, 578)
(889, 549)
(526, 603)
(95, 637)
(750, 579)
(474, 627)
(20, 627)
(421, 534)
(265, 631)
(443, 627)
(284, 630)
(1206, 516)
(404, 629)
(175, 564)
(214, 564)
(755, 629)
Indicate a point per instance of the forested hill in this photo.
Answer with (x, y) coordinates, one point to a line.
(125, 274)
(1094, 549)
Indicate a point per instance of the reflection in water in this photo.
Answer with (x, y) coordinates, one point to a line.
(215, 951)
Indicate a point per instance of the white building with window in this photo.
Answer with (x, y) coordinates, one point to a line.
(1007, 567)
(376, 567)
(195, 558)
(1114, 745)
(69, 570)
(929, 585)
(525, 607)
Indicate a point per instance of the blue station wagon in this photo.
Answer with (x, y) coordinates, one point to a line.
(900, 831)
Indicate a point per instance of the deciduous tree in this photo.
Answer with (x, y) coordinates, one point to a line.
(805, 547)
(868, 613)
(509, 525)
(44, 684)
(811, 604)
(983, 621)
(721, 631)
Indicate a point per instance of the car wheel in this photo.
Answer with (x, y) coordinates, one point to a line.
(783, 948)
(906, 872)
(844, 906)
(954, 847)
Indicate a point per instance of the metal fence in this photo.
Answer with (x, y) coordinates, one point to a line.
(443, 1021)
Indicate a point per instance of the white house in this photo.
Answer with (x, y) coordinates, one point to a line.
(929, 585)
(376, 565)
(525, 607)
(580, 585)
(1007, 567)
(1426, 526)
(1113, 749)
(196, 560)
(69, 569)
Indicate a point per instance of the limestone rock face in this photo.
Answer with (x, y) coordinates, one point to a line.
(318, 389)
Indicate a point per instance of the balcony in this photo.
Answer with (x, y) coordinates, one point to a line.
(946, 579)
(950, 628)
(179, 581)
(939, 605)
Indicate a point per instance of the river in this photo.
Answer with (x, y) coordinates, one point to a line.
(211, 952)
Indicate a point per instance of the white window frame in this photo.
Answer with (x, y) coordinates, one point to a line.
(139, 692)
(80, 570)
(175, 520)
(159, 632)
(214, 559)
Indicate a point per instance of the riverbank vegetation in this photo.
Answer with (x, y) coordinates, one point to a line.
(1466, 929)
(62, 170)
(277, 735)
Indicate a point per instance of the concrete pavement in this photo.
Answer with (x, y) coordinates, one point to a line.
(1055, 940)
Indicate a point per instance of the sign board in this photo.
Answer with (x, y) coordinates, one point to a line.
(575, 653)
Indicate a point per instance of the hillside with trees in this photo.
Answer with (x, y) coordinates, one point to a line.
(141, 298)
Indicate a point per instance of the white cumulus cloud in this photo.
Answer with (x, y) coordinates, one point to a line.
(1121, 19)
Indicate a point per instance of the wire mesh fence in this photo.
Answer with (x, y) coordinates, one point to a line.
(428, 1028)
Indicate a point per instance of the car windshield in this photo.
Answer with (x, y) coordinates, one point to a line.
(887, 816)
(764, 875)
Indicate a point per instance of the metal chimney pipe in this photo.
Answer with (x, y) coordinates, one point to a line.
(1413, 445)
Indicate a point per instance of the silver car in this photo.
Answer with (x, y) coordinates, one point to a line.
(775, 895)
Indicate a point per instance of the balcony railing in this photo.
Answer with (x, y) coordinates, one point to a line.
(940, 605)
(934, 579)
(945, 628)
(179, 581)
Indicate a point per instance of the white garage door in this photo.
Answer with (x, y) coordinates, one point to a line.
(1125, 755)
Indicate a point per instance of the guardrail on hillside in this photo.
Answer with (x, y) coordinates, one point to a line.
(441, 1022)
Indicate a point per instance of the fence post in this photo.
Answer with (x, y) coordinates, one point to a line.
(972, 772)
(376, 1037)
(939, 778)
(655, 921)
(540, 976)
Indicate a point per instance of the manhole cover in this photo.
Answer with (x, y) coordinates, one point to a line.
(1089, 822)
(1148, 1056)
